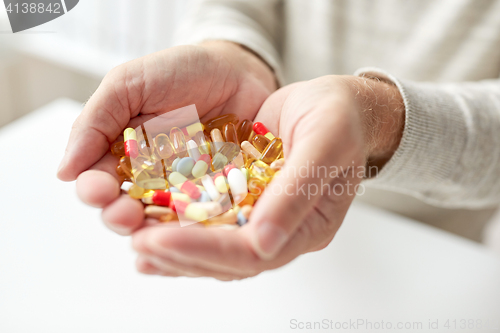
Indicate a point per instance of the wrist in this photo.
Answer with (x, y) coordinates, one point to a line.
(245, 60)
(383, 117)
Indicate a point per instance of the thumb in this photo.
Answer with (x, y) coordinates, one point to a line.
(102, 120)
(293, 194)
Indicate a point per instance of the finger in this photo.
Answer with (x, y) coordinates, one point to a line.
(315, 139)
(146, 242)
(124, 215)
(144, 266)
(88, 183)
(212, 249)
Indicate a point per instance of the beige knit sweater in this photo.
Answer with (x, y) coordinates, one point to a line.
(444, 55)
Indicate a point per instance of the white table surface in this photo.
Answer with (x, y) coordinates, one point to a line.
(61, 270)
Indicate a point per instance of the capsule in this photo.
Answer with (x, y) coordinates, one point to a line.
(131, 147)
(164, 147)
(261, 170)
(218, 122)
(201, 166)
(209, 186)
(230, 133)
(244, 130)
(238, 184)
(158, 212)
(217, 140)
(178, 142)
(191, 130)
(118, 149)
(272, 151)
(228, 217)
(184, 185)
(161, 198)
(221, 183)
(126, 166)
(260, 128)
(260, 142)
(248, 200)
(193, 150)
(219, 161)
(136, 192)
(195, 213)
(203, 143)
(179, 206)
(229, 150)
(200, 211)
(250, 150)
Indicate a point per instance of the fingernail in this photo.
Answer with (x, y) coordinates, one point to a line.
(270, 240)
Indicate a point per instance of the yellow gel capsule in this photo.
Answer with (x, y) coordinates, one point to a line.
(261, 170)
(260, 142)
(230, 133)
(202, 142)
(272, 151)
(178, 142)
(164, 147)
(136, 192)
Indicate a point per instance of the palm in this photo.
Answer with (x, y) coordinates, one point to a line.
(215, 80)
(315, 125)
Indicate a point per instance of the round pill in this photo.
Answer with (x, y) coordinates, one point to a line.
(185, 166)
(174, 164)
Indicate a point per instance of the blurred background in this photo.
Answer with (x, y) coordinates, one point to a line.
(68, 57)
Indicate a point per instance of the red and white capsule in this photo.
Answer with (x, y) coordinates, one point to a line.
(131, 147)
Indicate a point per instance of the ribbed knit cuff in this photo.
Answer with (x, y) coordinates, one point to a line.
(434, 138)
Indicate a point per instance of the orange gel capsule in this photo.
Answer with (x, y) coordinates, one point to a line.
(179, 142)
(230, 133)
(272, 151)
(126, 166)
(164, 147)
(118, 149)
(218, 122)
(244, 130)
(260, 142)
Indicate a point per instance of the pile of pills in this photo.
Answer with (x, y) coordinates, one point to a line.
(212, 173)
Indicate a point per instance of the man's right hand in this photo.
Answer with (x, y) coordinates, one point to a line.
(218, 77)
